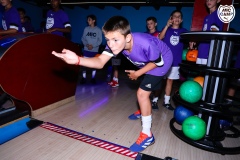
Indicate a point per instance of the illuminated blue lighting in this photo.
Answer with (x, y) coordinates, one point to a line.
(8, 42)
(94, 107)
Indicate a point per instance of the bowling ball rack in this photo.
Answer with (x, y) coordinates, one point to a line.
(213, 106)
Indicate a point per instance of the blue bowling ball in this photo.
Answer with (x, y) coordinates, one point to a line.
(225, 124)
(181, 113)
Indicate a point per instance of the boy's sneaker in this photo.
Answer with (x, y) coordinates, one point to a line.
(136, 115)
(110, 83)
(114, 84)
(142, 143)
(168, 106)
(154, 105)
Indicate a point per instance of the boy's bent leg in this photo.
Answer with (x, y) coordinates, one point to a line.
(146, 137)
(144, 102)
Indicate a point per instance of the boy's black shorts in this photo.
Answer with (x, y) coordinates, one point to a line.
(116, 61)
(151, 83)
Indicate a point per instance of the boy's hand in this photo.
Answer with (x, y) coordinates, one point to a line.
(191, 45)
(51, 30)
(67, 56)
(90, 47)
(169, 22)
(131, 74)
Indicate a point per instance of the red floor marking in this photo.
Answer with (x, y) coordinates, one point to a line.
(90, 140)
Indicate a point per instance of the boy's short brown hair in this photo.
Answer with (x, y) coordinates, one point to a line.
(117, 23)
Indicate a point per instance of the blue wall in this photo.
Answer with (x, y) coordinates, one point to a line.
(137, 18)
(35, 13)
(236, 21)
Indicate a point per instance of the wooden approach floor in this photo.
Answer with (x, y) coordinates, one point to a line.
(101, 111)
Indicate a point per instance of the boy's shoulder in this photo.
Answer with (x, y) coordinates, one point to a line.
(141, 37)
(62, 12)
(59, 12)
(11, 11)
(181, 29)
(145, 40)
(213, 14)
(140, 34)
(97, 27)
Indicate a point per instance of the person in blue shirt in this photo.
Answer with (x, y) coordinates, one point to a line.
(91, 39)
(11, 22)
(57, 20)
(211, 23)
(151, 55)
(171, 36)
(26, 23)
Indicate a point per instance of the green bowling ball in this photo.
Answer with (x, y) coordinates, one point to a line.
(194, 128)
(184, 54)
(190, 91)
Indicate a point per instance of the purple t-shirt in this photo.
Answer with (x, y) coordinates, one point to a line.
(57, 19)
(147, 48)
(27, 27)
(210, 20)
(11, 19)
(173, 41)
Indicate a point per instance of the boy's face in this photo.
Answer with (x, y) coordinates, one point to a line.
(55, 3)
(151, 25)
(176, 18)
(5, 2)
(116, 41)
(22, 15)
(90, 21)
(212, 3)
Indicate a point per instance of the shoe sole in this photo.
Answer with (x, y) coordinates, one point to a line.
(134, 119)
(148, 146)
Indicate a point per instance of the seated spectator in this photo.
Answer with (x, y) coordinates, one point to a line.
(11, 22)
(25, 21)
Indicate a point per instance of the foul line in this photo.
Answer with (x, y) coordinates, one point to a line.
(90, 140)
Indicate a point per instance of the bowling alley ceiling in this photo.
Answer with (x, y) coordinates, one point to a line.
(119, 3)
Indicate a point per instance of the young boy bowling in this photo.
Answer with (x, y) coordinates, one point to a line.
(148, 53)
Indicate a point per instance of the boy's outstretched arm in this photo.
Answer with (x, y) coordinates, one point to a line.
(72, 58)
